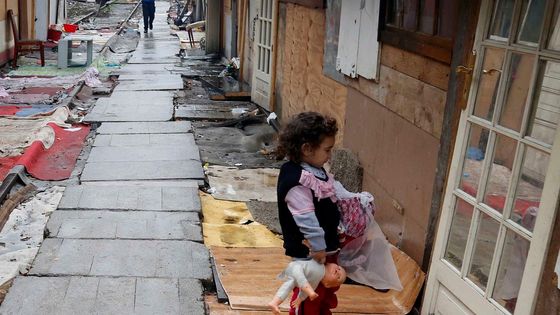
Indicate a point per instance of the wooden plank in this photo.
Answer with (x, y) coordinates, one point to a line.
(429, 46)
(220, 292)
(348, 38)
(314, 4)
(417, 66)
(249, 279)
(368, 49)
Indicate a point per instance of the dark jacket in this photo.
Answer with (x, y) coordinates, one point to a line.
(326, 212)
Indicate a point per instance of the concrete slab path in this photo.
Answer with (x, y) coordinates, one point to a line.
(128, 239)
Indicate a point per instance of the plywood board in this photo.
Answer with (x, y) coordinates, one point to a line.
(304, 86)
(422, 68)
(249, 278)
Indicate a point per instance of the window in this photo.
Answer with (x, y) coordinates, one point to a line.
(358, 48)
(425, 27)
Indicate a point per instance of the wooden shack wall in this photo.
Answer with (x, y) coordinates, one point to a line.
(393, 125)
(304, 87)
(6, 38)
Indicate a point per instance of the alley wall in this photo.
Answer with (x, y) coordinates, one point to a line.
(393, 125)
(7, 41)
(303, 86)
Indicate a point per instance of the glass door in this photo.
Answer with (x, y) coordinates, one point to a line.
(503, 186)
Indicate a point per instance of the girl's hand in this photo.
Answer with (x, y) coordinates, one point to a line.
(320, 256)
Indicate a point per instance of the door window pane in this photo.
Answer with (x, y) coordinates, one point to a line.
(546, 103)
(530, 24)
(554, 39)
(517, 90)
(529, 188)
(501, 19)
(410, 18)
(483, 252)
(447, 18)
(489, 81)
(457, 242)
(474, 157)
(427, 15)
(510, 270)
(394, 9)
(500, 172)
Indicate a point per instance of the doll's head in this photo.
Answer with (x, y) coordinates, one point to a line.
(308, 137)
(334, 275)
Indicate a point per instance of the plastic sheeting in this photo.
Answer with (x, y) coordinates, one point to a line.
(367, 260)
(23, 232)
(55, 162)
(17, 133)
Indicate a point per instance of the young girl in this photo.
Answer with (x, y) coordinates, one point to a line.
(307, 207)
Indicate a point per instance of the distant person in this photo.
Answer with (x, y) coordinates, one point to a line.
(307, 207)
(306, 275)
(149, 12)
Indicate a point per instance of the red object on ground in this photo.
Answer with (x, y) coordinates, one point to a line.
(70, 28)
(6, 164)
(11, 110)
(54, 35)
(55, 163)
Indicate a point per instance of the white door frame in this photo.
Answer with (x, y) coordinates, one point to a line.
(441, 273)
(42, 17)
(264, 52)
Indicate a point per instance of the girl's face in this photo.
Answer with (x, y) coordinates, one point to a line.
(318, 156)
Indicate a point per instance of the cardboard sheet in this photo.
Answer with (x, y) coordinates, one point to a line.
(229, 223)
(248, 276)
(236, 235)
(223, 212)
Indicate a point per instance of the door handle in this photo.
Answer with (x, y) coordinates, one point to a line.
(463, 69)
(491, 71)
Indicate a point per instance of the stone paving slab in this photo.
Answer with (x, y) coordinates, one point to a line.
(147, 198)
(102, 295)
(145, 170)
(133, 106)
(131, 112)
(143, 153)
(152, 183)
(169, 82)
(208, 111)
(119, 140)
(140, 77)
(145, 127)
(154, 98)
(154, 59)
(122, 258)
(125, 225)
(146, 69)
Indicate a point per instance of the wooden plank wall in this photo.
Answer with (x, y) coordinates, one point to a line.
(304, 87)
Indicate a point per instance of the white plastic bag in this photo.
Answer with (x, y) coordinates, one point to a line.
(368, 260)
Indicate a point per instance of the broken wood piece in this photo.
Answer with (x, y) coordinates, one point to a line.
(220, 292)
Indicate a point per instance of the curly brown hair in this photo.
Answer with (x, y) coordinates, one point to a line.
(306, 127)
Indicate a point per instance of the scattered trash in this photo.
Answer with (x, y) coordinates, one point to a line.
(270, 117)
(236, 112)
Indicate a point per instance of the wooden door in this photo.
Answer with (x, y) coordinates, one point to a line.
(263, 52)
(503, 188)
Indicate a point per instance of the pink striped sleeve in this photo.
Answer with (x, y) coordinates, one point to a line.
(300, 200)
